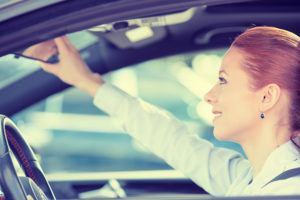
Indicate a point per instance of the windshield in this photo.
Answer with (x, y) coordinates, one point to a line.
(13, 68)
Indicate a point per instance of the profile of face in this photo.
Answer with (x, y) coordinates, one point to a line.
(234, 104)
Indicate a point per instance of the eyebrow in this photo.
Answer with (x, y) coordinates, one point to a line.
(222, 71)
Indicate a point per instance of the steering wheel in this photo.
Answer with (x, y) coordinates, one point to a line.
(13, 186)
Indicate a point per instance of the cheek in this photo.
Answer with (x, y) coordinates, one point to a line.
(237, 115)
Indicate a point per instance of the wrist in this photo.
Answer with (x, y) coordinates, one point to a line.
(91, 83)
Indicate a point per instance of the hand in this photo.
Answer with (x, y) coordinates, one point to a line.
(71, 69)
(43, 50)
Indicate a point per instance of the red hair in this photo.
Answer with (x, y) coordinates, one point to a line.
(272, 55)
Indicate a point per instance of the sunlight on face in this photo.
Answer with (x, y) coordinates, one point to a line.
(233, 103)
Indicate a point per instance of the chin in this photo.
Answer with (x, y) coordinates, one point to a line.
(222, 135)
(218, 134)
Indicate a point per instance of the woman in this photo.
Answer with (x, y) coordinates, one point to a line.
(256, 103)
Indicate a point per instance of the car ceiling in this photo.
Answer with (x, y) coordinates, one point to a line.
(12, 8)
(211, 26)
(70, 16)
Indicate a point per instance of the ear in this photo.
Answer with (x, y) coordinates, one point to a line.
(269, 96)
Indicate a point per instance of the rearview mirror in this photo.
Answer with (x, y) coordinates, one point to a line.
(45, 52)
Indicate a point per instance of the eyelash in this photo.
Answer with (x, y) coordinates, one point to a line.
(222, 80)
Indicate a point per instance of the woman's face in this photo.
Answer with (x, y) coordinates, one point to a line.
(235, 106)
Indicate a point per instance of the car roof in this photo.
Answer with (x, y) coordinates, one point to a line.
(60, 18)
(13, 8)
(214, 24)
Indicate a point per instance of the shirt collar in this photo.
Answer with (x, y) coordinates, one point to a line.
(280, 160)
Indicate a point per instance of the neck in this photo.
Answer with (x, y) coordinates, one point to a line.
(263, 144)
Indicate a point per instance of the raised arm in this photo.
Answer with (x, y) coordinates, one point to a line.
(214, 169)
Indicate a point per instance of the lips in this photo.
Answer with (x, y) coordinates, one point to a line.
(217, 114)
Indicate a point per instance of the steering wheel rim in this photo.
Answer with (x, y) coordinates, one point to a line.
(11, 140)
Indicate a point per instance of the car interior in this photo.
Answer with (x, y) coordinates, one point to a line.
(149, 49)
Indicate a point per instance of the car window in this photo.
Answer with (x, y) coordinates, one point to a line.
(70, 134)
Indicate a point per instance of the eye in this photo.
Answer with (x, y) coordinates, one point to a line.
(222, 80)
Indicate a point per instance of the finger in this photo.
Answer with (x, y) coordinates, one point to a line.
(61, 45)
(67, 42)
(51, 68)
(65, 46)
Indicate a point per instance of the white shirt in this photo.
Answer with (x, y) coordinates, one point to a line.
(219, 171)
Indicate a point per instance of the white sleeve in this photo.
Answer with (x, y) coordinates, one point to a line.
(214, 169)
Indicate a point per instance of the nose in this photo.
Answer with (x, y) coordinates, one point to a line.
(210, 96)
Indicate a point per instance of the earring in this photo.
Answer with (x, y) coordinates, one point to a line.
(262, 115)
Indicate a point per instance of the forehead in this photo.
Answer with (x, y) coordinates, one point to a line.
(232, 65)
(232, 62)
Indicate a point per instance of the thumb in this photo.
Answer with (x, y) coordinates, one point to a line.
(50, 68)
